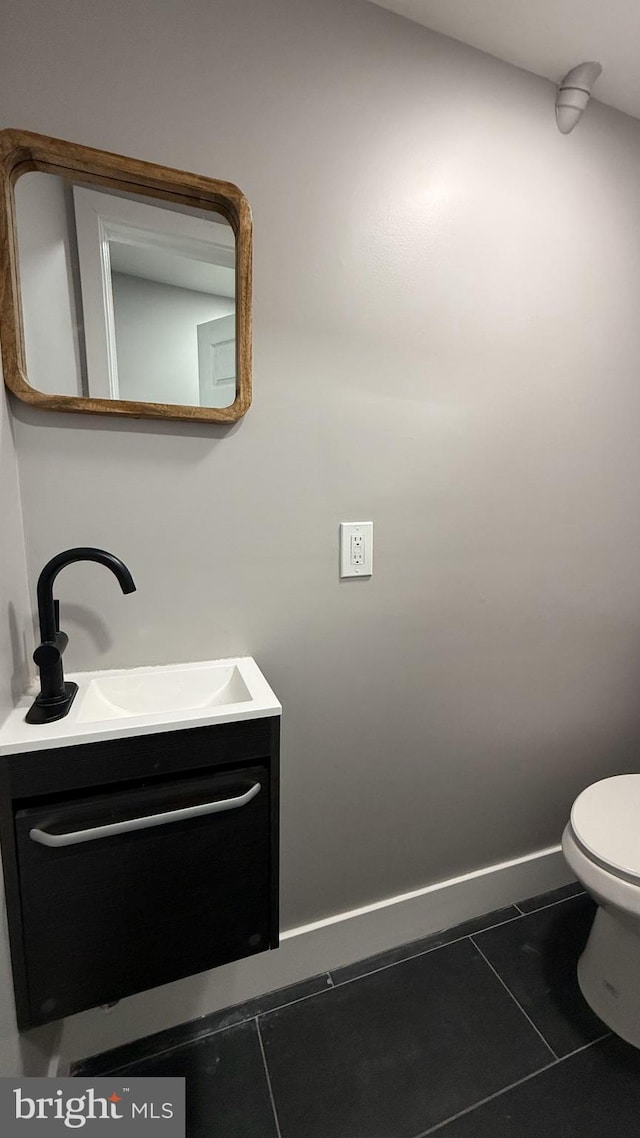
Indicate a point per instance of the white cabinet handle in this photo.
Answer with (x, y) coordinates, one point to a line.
(113, 828)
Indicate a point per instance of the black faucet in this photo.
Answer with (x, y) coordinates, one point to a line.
(56, 695)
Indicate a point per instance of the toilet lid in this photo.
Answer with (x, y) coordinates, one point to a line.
(606, 820)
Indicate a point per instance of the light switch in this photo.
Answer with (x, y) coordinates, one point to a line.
(356, 549)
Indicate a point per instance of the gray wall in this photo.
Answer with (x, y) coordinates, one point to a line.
(157, 338)
(16, 644)
(47, 265)
(16, 631)
(447, 342)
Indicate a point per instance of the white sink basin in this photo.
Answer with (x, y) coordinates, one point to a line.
(148, 691)
(142, 701)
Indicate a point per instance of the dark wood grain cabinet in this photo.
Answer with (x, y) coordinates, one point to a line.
(134, 862)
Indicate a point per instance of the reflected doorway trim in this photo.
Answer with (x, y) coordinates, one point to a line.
(21, 152)
(94, 259)
(102, 218)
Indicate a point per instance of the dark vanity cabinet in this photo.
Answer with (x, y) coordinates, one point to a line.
(133, 862)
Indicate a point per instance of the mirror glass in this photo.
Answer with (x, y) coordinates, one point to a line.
(125, 297)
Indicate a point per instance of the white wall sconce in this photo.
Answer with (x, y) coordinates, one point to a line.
(574, 93)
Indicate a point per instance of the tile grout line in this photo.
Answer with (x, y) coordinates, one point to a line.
(268, 1077)
(516, 1002)
(167, 1050)
(519, 915)
(511, 1087)
(330, 987)
(584, 1046)
(551, 905)
(484, 1101)
(425, 952)
(214, 1031)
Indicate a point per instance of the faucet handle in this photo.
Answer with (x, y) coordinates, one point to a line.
(48, 654)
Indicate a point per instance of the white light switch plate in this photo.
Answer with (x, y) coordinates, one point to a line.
(356, 549)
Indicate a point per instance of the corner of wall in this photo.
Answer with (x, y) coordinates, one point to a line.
(16, 1056)
(15, 611)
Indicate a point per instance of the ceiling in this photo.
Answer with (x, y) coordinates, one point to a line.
(155, 263)
(548, 37)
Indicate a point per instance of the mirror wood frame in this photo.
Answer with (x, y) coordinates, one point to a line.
(21, 152)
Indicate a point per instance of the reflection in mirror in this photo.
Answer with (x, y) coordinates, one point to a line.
(125, 297)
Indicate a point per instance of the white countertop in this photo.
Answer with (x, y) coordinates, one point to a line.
(17, 736)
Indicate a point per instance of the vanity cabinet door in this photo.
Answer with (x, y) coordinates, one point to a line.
(129, 889)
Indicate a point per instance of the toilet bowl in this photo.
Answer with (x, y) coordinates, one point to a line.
(601, 843)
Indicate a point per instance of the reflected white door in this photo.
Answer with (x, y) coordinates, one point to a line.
(217, 361)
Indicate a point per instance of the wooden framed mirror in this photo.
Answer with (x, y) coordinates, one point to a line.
(125, 287)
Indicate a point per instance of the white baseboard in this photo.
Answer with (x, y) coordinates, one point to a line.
(318, 947)
(385, 924)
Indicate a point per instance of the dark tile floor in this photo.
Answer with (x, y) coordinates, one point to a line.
(476, 1032)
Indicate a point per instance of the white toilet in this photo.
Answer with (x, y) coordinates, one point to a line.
(602, 845)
